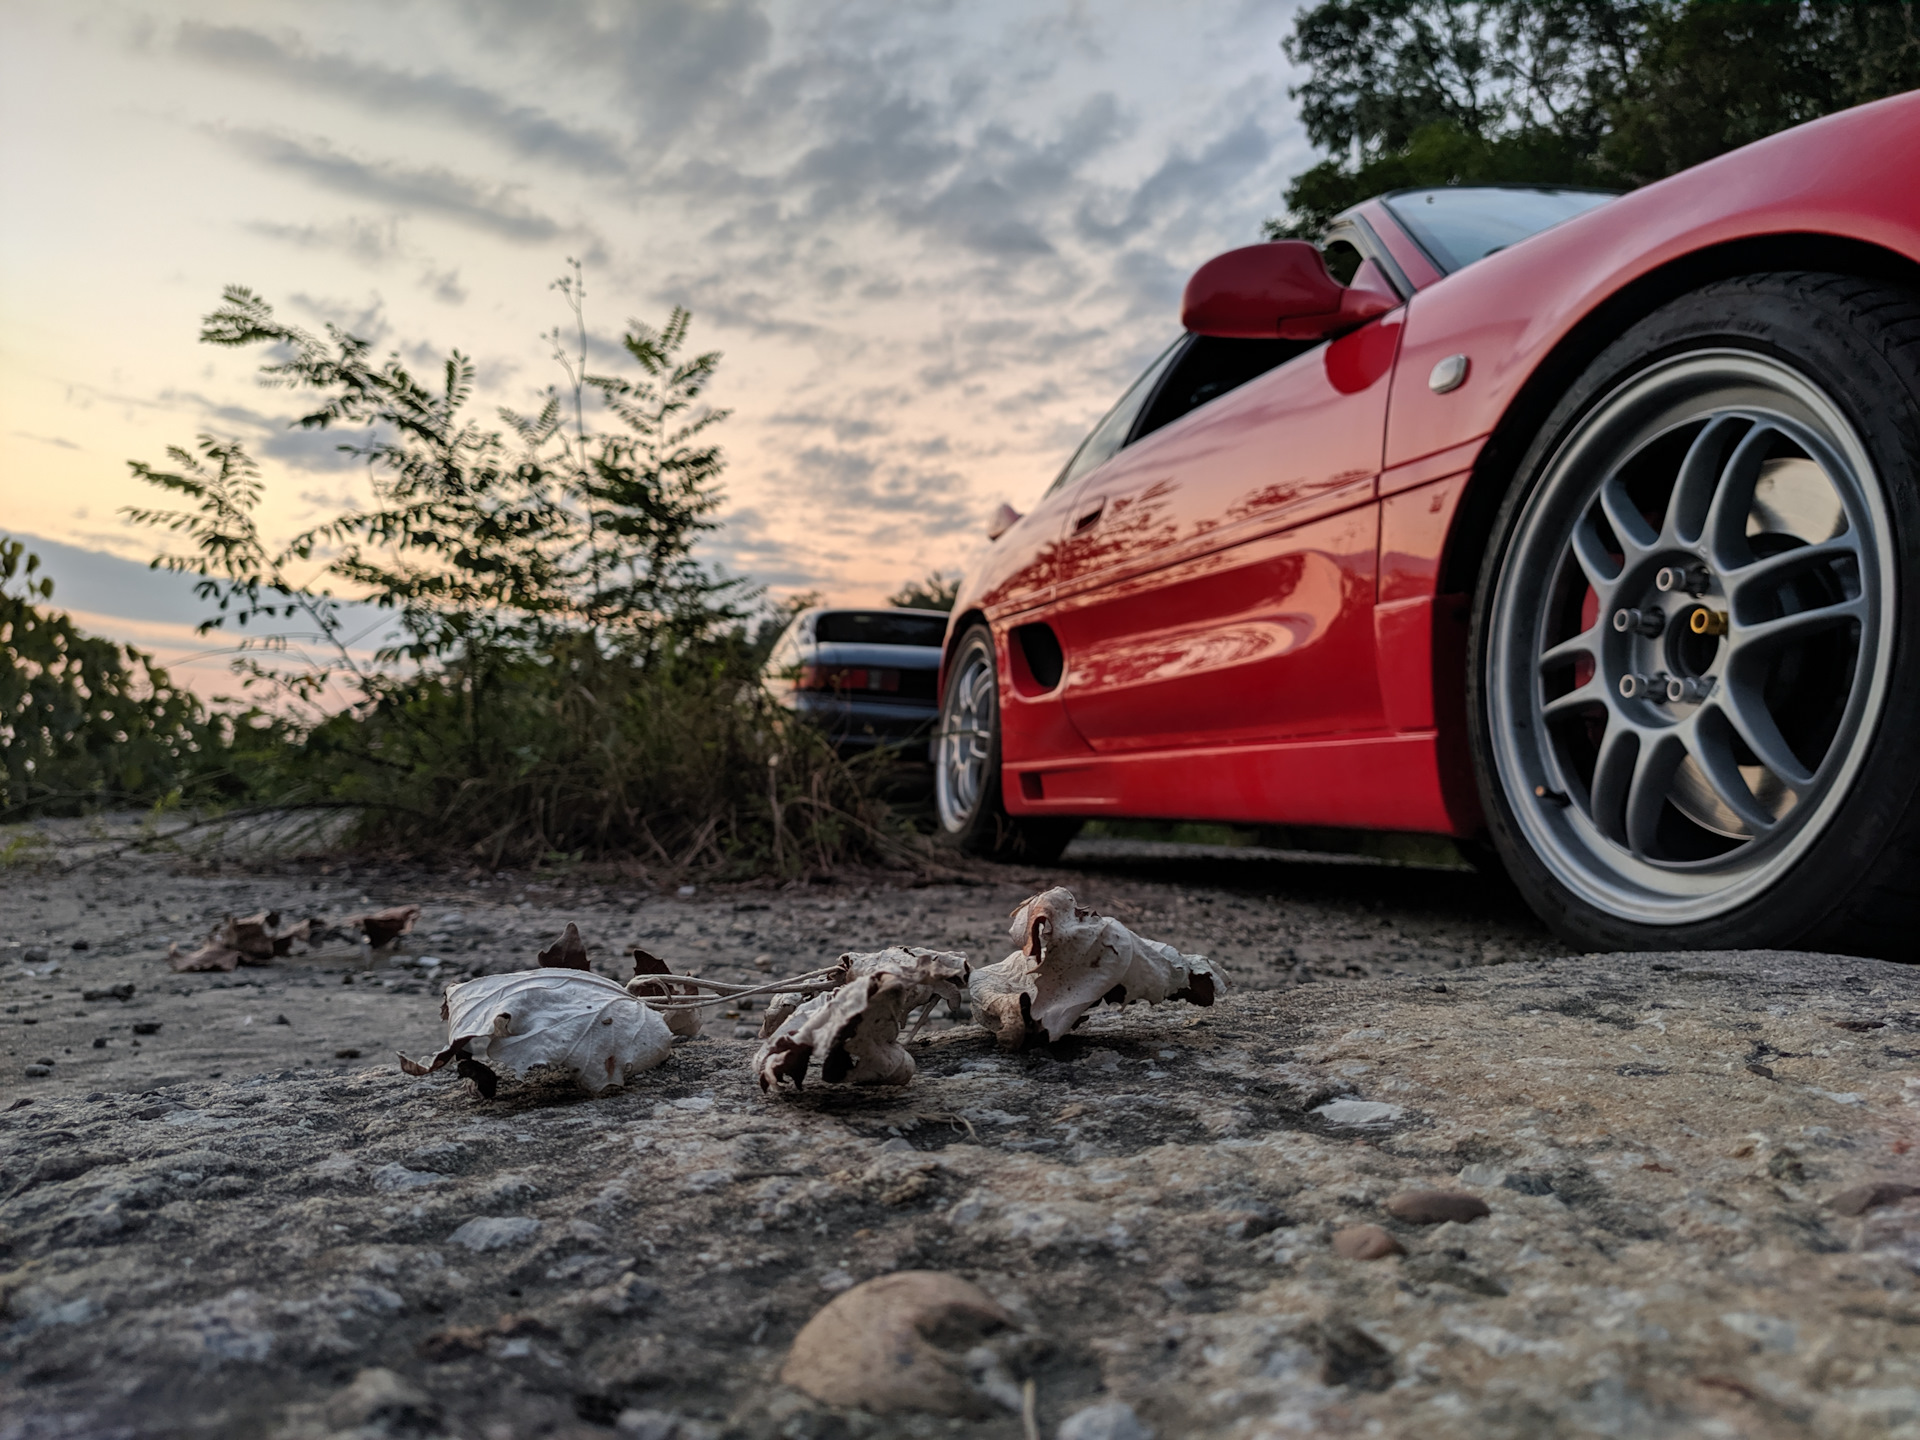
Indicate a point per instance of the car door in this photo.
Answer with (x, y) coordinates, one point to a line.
(1220, 581)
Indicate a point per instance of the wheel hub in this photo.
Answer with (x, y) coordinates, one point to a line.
(1688, 646)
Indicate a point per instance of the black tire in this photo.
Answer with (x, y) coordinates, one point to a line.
(966, 761)
(1848, 878)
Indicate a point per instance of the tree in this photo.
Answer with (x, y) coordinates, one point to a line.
(1613, 93)
(86, 722)
(937, 591)
(568, 677)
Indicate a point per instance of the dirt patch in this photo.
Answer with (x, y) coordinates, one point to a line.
(1675, 1243)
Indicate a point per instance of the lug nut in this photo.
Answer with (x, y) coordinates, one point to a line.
(1688, 689)
(1707, 622)
(1642, 687)
(1649, 622)
(1692, 579)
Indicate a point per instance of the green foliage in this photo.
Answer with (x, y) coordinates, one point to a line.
(564, 677)
(937, 591)
(1613, 93)
(86, 722)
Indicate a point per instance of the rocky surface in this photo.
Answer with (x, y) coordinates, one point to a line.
(1695, 1171)
(87, 998)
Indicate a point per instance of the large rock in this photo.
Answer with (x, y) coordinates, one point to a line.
(1658, 1141)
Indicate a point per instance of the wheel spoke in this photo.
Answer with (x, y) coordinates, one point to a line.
(1699, 479)
(1600, 568)
(1630, 527)
(1586, 643)
(1711, 746)
(1746, 709)
(1725, 528)
(1613, 778)
(1763, 576)
(1584, 697)
(1768, 634)
(1647, 795)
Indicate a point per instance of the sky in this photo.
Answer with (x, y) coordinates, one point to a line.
(932, 241)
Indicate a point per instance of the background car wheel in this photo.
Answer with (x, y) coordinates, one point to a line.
(967, 766)
(1696, 642)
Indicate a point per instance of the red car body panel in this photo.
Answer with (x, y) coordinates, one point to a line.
(1249, 598)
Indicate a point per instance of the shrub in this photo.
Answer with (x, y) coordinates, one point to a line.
(564, 677)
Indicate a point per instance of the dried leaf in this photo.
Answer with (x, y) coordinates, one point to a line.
(210, 956)
(569, 952)
(779, 1009)
(248, 940)
(854, 1030)
(1071, 959)
(912, 1340)
(284, 940)
(684, 1023)
(572, 1020)
(927, 974)
(383, 927)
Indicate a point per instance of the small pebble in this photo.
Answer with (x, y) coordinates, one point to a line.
(1862, 1198)
(763, 962)
(111, 992)
(1113, 1420)
(1365, 1242)
(99, 1042)
(281, 1020)
(1435, 1207)
(347, 1054)
(35, 955)
(146, 1027)
(37, 1072)
(81, 945)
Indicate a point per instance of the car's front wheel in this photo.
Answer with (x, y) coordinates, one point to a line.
(1696, 647)
(967, 765)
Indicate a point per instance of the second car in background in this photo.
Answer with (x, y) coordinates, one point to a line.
(867, 678)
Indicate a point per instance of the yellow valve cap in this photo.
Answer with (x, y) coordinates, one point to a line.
(1708, 622)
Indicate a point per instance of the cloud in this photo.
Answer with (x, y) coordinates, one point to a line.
(435, 190)
(272, 437)
(474, 109)
(849, 485)
(54, 440)
(444, 286)
(372, 242)
(673, 60)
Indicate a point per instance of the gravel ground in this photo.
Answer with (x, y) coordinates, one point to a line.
(1271, 919)
(1418, 1174)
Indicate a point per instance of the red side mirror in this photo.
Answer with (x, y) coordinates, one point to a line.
(1280, 290)
(1004, 519)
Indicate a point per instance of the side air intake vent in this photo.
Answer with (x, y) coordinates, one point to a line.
(1040, 648)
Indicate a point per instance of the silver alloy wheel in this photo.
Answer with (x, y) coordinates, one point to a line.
(965, 738)
(1690, 638)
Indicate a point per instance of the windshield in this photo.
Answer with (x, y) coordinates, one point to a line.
(1461, 224)
(879, 627)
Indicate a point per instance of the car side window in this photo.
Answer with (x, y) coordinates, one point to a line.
(1207, 369)
(1117, 425)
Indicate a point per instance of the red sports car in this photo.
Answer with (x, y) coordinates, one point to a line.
(1580, 526)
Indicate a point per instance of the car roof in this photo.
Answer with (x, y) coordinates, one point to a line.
(1493, 185)
(818, 610)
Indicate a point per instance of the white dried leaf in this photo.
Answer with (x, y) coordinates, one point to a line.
(854, 1031)
(572, 1020)
(928, 975)
(1071, 959)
